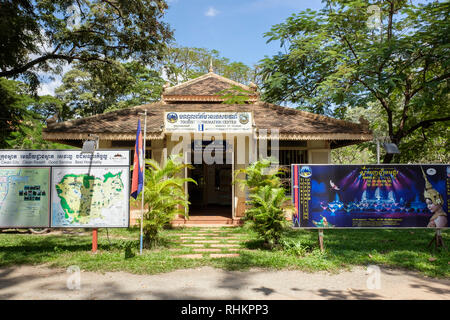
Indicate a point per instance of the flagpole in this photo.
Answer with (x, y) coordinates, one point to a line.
(143, 182)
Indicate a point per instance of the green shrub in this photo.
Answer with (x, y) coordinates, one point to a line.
(164, 197)
(127, 246)
(294, 247)
(267, 203)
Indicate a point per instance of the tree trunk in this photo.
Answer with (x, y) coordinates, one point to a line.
(388, 158)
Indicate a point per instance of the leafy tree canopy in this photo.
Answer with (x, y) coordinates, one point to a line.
(429, 145)
(41, 35)
(94, 88)
(185, 63)
(22, 116)
(13, 109)
(348, 54)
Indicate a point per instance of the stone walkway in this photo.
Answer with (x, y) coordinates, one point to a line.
(208, 243)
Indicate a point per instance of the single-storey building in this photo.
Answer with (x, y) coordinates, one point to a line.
(192, 114)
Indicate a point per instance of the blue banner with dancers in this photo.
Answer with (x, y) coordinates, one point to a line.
(370, 196)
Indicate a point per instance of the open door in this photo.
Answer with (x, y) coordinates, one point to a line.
(214, 193)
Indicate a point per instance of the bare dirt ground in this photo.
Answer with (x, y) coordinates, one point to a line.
(39, 282)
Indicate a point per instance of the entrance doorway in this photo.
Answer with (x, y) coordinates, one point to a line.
(212, 196)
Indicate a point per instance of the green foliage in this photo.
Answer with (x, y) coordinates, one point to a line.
(235, 95)
(354, 154)
(42, 35)
(22, 115)
(13, 110)
(185, 63)
(259, 174)
(363, 152)
(29, 136)
(266, 215)
(427, 145)
(95, 88)
(127, 247)
(164, 196)
(267, 201)
(344, 249)
(295, 247)
(45, 107)
(334, 61)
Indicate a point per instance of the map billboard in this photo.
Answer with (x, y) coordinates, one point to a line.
(370, 196)
(24, 197)
(64, 188)
(90, 197)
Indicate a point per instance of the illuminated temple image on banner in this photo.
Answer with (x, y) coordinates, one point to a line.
(343, 196)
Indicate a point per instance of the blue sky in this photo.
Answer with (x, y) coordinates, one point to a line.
(233, 27)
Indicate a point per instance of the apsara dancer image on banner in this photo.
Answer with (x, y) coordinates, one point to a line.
(435, 201)
(345, 196)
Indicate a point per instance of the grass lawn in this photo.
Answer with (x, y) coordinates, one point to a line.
(406, 249)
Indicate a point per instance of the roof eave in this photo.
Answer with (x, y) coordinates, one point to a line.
(200, 98)
(357, 137)
(58, 136)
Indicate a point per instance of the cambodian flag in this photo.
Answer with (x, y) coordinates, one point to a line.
(138, 170)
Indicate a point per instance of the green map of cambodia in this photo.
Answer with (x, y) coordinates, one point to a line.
(84, 196)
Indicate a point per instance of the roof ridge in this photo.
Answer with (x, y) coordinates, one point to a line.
(231, 81)
(316, 116)
(203, 77)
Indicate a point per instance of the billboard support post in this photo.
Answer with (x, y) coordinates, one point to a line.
(94, 240)
(321, 240)
(437, 240)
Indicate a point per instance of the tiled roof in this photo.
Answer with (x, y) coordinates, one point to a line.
(208, 84)
(267, 116)
(200, 94)
(206, 88)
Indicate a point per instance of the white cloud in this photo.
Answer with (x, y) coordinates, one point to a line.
(48, 88)
(260, 5)
(211, 12)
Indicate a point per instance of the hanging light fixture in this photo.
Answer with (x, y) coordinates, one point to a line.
(391, 148)
(90, 144)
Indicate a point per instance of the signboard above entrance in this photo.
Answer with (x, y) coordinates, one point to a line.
(216, 145)
(208, 122)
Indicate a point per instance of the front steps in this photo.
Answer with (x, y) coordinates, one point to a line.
(194, 220)
(207, 221)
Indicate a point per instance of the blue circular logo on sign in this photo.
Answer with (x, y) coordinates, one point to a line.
(243, 118)
(305, 172)
(172, 117)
